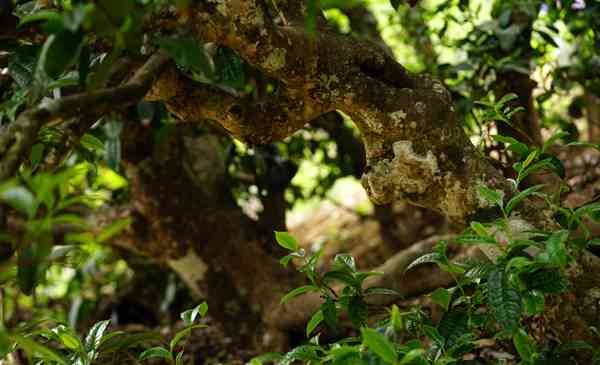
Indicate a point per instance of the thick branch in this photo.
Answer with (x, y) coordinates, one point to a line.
(416, 148)
(258, 122)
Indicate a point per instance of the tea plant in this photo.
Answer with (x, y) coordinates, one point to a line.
(490, 299)
(42, 340)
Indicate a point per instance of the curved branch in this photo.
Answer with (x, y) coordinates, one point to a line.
(416, 148)
(258, 122)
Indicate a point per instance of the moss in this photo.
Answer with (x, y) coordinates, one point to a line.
(275, 60)
(398, 117)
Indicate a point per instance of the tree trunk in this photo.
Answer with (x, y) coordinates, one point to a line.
(186, 217)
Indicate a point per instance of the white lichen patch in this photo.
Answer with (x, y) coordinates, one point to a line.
(407, 172)
(457, 200)
(328, 81)
(398, 117)
(192, 270)
(275, 60)
(420, 107)
(370, 118)
(438, 87)
(221, 6)
(404, 152)
(203, 163)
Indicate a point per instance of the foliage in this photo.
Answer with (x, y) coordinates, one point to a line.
(57, 343)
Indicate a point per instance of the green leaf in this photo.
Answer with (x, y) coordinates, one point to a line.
(310, 19)
(362, 275)
(298, 291)
(36, 154)
(530, 158)
(547, 37)
(119, 341)
(94, 336)
(434, 334)
(304, 353)
(379, 344)
(550, 141)
(330, 314)
(112, 146)
(504, 302)
(184, 333)
(513, 145)
(491, 195)
(555, 248)
(507, 38)
(555, 165)
(506, 98)
(67, 337)
(188, 54)
(429, 258)
(341, 276)
(91, 142)
(156, 352)
(6, 344)
(345, 262)
(534, 302)
(396, 320)
(190, 315)
(479, 229)
(442, 297)
(52, 19)
(22, 65)
(514, 201)
(346, 355)
(358, 310)
(179, 358)
(411, 356)
(114, 229)
(59, 52)
(286, 241)
(314, 321)
(547, 281)
(548, 163)
(575, 346)
(230, 68)
(20, 199)
(33, 348)
(453, 326)
(269, 357)
(524, 345)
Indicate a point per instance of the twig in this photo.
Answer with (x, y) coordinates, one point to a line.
(16, 138)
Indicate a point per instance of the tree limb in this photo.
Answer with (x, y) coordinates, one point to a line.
(16, 138)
